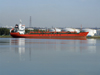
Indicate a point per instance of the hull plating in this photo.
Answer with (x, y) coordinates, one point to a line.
(81, 36)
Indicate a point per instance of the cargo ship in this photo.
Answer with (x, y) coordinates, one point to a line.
(19, 32)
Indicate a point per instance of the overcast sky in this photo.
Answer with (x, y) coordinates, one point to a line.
(48, 13)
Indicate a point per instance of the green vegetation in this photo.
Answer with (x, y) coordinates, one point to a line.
(4, 31)
(93, 37)
(5, 36)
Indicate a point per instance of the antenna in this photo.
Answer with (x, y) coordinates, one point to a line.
(20, 21)
(30, 21)
(81, 27)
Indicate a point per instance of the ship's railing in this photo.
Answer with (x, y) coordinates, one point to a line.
(53, 33)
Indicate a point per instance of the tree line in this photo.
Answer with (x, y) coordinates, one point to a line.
(4, 31)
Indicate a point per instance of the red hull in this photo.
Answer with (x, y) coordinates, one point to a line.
(81, 35)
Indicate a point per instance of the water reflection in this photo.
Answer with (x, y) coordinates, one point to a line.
(18, 45)
(90, 46)
(21, 56)
(21, 45)
(58, 45)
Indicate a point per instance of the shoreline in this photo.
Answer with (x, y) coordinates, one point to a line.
(93, 37)
(5, 36)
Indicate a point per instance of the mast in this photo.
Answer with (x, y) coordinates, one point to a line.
(20, 21)
(30, 22)
(81, 27)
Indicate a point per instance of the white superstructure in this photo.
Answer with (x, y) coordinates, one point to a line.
(18, 28)
(21, 29)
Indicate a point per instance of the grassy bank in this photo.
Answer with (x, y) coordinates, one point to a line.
(93, 37)
(5, 36)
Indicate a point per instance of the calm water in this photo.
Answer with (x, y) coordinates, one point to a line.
(19, 56)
